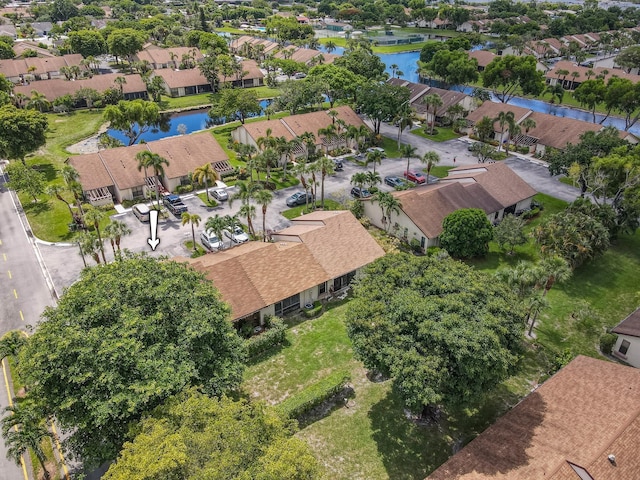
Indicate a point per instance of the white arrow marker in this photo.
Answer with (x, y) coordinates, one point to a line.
(153, 226)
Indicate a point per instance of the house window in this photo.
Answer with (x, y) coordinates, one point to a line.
(288, 304)
(322, 288)
(405, 234)
(422, 242)
(624, 347)
(341, 282)
(136, 191)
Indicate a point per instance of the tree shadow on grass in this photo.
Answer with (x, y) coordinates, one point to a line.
(36, 208)
(49, 171)
(408, 450)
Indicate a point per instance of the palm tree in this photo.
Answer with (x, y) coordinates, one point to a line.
(309, 141)
(330, 46)
(57, 191)
(194, 220)
(535, 304)
(114, 232)
(38, 101)
(504, 119)
(394, 69)
(285, 149)
(146, 159)
(72, 178)
(553, 269)
(373, 179)
(359, 179)
(374, 156)
(522, 278)
(83, 240)
(333, 114)
(95, 216)
(205, 174)
(434, 102)
(264, 198)
(574, 77)
(120, 82)
(302, 169)
(528, 124)
(27, 435)
(408, 151)
(556, 91)
(404, 119)
(389, 205)
(217, 224)
(325, 166)
(249, 211)
(430, 159)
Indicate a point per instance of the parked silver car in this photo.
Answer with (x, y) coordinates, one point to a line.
(210, 240)
(236, 234)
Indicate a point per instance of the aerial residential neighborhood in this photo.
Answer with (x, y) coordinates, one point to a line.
(319, 240)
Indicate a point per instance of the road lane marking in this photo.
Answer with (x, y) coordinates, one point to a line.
(64, 464)
(21, 316)
(15, 294)
(0, 242)
(4, 255)
(10, 277)
(6, 384)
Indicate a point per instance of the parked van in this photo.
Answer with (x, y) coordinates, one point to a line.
(141, 211)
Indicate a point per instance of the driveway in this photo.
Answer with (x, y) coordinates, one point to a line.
(65, 263)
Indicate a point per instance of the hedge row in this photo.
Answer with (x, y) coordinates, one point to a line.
(273, 335)
(315, 394)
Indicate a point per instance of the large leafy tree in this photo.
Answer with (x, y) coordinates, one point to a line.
(454, 67)
(509, 74)
(21, 132)
(444, 332)
(125, 42)
(123, 339)
(26, 180)
(133, 118)
(195, 436)
(574, 236)
(339, 83)
(466, 233)
(590, 94)
(382, 102)
(510, 232)
(236, 104)
(363, 62)
(88, 43)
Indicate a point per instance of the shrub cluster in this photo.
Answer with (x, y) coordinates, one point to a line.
(273, 336)
(314, 395)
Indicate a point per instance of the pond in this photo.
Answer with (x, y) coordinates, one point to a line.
(193, 121)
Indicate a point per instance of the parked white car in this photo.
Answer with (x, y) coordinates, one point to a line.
(210, 240)
(237, 235)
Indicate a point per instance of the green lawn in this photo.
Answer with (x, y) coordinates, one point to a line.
(439, 171)
(442, 135)
(390, 146)
(206, 99)
(210, 202)
(299, 210)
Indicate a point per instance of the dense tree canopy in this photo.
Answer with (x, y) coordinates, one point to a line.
(194, 437)
(382, 102)
(466, 233)
(88, 43)
(236, 104)
(133, 118)
(362, 62)
(339, 83)
(509, 74)
(122, 339)
(443, 331)
(21, 132)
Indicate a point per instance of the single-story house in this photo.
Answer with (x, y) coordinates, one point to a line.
(295, 125)
(483, 57)
(20, 48)
(581, 424)
(8, 30)
(20, 70)
(180, 83)
(319, 254)
(334, 26)
(627, 346)
(112, 175)
(417, 92)
(245, 45)
(248, 46)
(570, 82)
(42, 29)
(134, 87)
(550, 130)
(493, 188)
(173, 58)
(308, 56)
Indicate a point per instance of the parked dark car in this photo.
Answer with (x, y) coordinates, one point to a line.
(298, 198)
(174, 205)
(416, 177)
(360, 192)
(337, 165)
(395, 182)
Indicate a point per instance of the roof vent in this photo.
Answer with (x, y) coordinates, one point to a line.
(612, 458)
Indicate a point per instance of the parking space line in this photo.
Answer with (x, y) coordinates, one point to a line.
(21, 316)
(6, 384)
(15, 294)
(9, 272)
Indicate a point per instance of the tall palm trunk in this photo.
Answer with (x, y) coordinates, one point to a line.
(264, 223)
(97, 227)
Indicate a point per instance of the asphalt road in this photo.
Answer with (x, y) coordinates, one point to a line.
(24, 294)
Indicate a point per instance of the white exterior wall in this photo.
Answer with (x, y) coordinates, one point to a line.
(125, 194)
(241, 135)
(267, 311)
(373, 212)
(632, 356)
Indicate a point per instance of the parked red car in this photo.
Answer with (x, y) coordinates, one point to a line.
(415, 177)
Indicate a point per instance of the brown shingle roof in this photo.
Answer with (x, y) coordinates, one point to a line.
(313, 121)
(585, 412)
(248, 281)
(42, 65)
(427, 206)
(491, 110)
(629, 326)
(58, 87)
(483, 57)
(158, 55)
(91, 170)
(259, 129)
(181, 78)
(249, 66)
(497, 179)
(120, 167)
(556, 132)
(572, 67)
